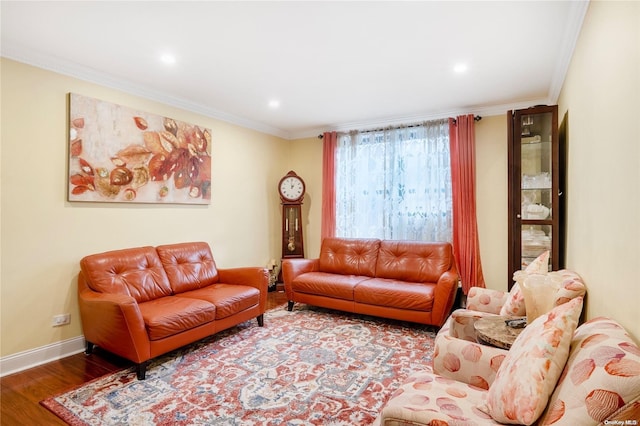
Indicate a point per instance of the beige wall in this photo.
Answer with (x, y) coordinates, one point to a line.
(44, 236)
(306, 154)
(491, 199)
(601, 97)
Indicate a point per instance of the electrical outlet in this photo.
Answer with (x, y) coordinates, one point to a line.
(59, 320)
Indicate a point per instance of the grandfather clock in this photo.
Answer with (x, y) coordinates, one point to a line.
(291, 189)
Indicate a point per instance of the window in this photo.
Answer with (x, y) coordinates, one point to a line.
(395, 183)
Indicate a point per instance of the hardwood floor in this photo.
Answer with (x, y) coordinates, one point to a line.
(22, 392)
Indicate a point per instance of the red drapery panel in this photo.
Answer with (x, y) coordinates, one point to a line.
(466, 247)
(328, 226)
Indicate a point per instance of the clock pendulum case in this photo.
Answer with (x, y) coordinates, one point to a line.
(291, 188)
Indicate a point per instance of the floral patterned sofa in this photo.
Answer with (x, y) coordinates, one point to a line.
(554, 374)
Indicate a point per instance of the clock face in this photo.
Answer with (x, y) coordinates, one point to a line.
(291, 188)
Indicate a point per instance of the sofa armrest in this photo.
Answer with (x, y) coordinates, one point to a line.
(465, 361)
(257, 277)
(486, 300)
(462, 323)
(428, 399)
(113, 322)
(252, 276)
(291, 268)
(445, 295)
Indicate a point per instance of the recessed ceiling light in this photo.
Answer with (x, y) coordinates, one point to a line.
(168, 58)
(274, 103)
(460, 68)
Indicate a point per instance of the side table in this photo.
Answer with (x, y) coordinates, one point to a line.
(495, 332)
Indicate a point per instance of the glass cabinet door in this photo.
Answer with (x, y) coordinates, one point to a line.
(533, 187)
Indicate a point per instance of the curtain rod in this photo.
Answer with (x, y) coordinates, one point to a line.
(475, 118)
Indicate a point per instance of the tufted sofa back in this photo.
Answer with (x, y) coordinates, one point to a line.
(148, 273)
(135, 272)
(349, 256)
(413, 261)
(189, 266)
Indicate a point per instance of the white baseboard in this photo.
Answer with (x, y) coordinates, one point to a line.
(42, 355)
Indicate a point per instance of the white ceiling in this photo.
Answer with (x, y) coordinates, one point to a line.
(331, 65)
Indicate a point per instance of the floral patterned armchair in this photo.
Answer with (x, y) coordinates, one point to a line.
(458, 331)
(482, 302)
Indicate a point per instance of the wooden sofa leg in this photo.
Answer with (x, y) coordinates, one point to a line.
(89, 349)
(260, 319)
(141, 370)
(290, 305)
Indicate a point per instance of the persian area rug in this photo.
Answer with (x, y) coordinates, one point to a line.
(309, 366)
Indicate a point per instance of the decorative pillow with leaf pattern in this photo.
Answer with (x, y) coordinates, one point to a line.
(529, 373)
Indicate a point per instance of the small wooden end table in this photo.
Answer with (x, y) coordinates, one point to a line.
(495, 332)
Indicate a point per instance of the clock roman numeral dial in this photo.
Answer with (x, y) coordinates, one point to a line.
(291, 188)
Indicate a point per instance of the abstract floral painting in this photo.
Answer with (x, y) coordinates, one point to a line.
(117, 154)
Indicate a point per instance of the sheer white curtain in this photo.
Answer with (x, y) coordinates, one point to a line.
(395, 183)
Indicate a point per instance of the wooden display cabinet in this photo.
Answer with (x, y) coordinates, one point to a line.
(536, 197)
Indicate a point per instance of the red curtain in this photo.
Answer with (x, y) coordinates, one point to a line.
(466, 247)
(328, 226)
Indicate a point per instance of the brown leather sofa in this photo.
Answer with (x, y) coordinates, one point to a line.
(404, 280)
(142, 302)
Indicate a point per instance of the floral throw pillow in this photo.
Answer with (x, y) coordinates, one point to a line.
(514, 305)
(529, 373)
(540, 265)
(515, 301)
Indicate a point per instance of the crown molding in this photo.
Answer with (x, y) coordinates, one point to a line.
(75, 70)
(570, 39)
(81, 72)
(55, 64)
(483, 111)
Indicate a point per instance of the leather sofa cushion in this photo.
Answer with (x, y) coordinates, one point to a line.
(349, 256)
(171, 315)
(395, 294)
(228, 298)
(413, 261)
(135, 272)
(189, 266)
(326, 284)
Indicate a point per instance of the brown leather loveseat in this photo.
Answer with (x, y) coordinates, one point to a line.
(404, 280)
(142, 302)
